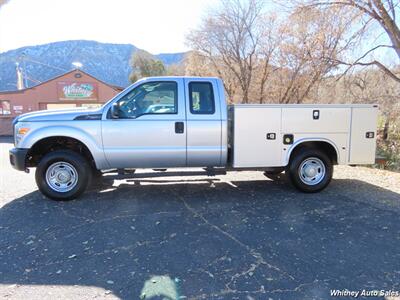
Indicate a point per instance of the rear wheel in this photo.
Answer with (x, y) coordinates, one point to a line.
(96, 173)
(63, 175)
(310, 171)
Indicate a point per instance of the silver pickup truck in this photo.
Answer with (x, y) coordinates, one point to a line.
(169, 122)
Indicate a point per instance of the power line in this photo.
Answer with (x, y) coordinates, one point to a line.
(32, 79)
(44, 64)
(26, 77)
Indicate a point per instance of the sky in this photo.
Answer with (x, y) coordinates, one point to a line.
(157, 26)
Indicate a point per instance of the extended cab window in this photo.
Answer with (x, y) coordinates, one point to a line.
(149, 98)
(201, 97)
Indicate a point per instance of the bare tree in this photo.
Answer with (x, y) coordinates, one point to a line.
(198, 64)
(229, 39)
(312, 40)
(264, 59)
(380, 12)
(2, 2)
(266, 64)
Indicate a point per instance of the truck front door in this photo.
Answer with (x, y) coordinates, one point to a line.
(150, 130)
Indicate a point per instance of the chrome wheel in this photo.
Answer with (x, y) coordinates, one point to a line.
(312, 171)
(61, 177)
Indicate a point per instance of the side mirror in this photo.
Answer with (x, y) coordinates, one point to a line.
(115, 110)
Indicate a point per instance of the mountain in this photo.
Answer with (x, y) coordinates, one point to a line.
(105, 61)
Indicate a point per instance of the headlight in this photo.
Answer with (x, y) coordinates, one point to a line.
(20, 131)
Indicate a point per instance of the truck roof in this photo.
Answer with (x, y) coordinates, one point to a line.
(310, 105)
(178, 77)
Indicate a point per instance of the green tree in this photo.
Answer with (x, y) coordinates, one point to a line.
(144, 65)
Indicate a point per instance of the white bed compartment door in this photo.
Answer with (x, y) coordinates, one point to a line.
(329, 120)
(362, 145)
(257, 137)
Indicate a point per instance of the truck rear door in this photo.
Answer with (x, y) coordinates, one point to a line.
(203, 119)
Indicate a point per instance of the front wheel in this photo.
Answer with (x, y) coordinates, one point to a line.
(310, 171)
(63, 175)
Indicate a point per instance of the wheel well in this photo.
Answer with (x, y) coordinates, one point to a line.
(326, 147)
(46, 145)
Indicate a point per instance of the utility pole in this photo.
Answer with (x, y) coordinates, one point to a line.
(20, 81)
(24, 70)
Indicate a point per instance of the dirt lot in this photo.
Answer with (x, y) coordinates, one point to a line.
(237, 236)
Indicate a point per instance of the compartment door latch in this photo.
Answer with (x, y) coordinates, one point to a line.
(370, 135)
(271, 136)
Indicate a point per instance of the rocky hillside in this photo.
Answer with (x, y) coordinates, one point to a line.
(108, 62)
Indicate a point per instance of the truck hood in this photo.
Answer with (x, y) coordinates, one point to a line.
(57, 115)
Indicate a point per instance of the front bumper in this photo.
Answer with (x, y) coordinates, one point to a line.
(18, 158)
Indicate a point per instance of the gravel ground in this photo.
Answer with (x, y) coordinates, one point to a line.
(237, 236)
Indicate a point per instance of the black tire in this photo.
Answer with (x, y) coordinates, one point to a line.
(97, 178)
(96, 173)
(82, 167)
(314, 157)
(275, 174)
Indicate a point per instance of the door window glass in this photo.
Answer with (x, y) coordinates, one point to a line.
(201, 98)
(149, 98)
